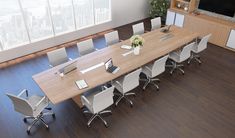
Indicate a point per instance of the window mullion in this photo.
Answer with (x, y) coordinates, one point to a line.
(74, 16)
(50, 16)
(24, 20)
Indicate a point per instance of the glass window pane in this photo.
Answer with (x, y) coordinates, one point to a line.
(37, 18)
(84, 13)
(12, 28)
(62, 15)
(102, 10)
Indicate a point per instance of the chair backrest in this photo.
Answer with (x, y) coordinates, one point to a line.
(57, 57)
(111, 38)
(85, 47)
(21, 105)
(103, 99)
(186, 52)
(156, 23)
(159, 66)
(138, 29)
(203, 43)
(131, 80)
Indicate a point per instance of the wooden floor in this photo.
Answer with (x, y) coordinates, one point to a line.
(200, 104)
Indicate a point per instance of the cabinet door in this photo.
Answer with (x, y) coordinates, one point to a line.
(179, 20)
(231, 40)
(170, 18)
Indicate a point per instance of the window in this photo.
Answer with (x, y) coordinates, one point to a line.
(102, 11)
(26, 21)
(37, 16)
(12, 28)
(62, 15)
(84, 13)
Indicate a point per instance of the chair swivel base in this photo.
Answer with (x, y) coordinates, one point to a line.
(38, 118)
(196, 58)
(148, 81)
(176, 66)
(97, 115)
(124, 96)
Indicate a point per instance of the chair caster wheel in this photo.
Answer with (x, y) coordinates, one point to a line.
(28, 132)
(131, 105)
(53, 115)
(25, 120)
(88, 126)
(106, 126)
(47, 127)
(157, 89)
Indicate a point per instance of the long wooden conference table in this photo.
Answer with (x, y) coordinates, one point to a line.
(157, 44)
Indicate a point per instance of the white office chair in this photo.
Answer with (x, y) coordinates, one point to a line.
(97, 102)
(86, 47)
(179, 57)
(31, 107)
(197, 48)
(125, 84)
(57, 57)
(138, 29)
(156, 23)
(153, 70)
(111, 38)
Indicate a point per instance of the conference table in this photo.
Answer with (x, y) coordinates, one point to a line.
(157, 44)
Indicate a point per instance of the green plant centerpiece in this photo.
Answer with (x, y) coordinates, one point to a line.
(136, 42)
(158, 8)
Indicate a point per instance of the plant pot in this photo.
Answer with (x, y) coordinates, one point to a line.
(137, 50)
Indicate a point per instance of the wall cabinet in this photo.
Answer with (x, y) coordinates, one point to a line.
(231, 40)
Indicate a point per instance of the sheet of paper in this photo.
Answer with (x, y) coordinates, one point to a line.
(127, 53)
(92, 68)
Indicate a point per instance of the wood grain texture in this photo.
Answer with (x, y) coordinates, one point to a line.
(59, 89)
(200, 104)
(204, 25)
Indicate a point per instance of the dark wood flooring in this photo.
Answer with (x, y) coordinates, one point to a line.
(200, 104)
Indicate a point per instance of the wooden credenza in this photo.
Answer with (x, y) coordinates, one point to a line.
(220, 29)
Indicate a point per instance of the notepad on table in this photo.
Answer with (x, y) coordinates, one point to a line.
(126, 47)
(81, 84)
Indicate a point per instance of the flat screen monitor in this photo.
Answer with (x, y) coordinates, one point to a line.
(224, 7)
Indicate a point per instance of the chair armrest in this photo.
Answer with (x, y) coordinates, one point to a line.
(148, 68)
(36, 106)
(117, 82)
(85, 101)
(22, 92)
(104, 87)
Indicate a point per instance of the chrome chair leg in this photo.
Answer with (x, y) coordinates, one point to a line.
(91, 119)
(175, 66)
(194, 57)
(105, 112)
(32, 124)
(119, 99)
(44, 123)
(105, 123)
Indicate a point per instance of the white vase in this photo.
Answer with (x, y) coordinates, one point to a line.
(137, 50)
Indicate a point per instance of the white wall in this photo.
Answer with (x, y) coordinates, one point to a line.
(123, 12)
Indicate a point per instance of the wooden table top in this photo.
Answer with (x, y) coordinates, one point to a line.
(59, 89)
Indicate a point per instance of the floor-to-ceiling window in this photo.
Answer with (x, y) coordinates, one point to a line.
(27, 21)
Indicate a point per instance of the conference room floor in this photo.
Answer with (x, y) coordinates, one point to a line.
(200, 103)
